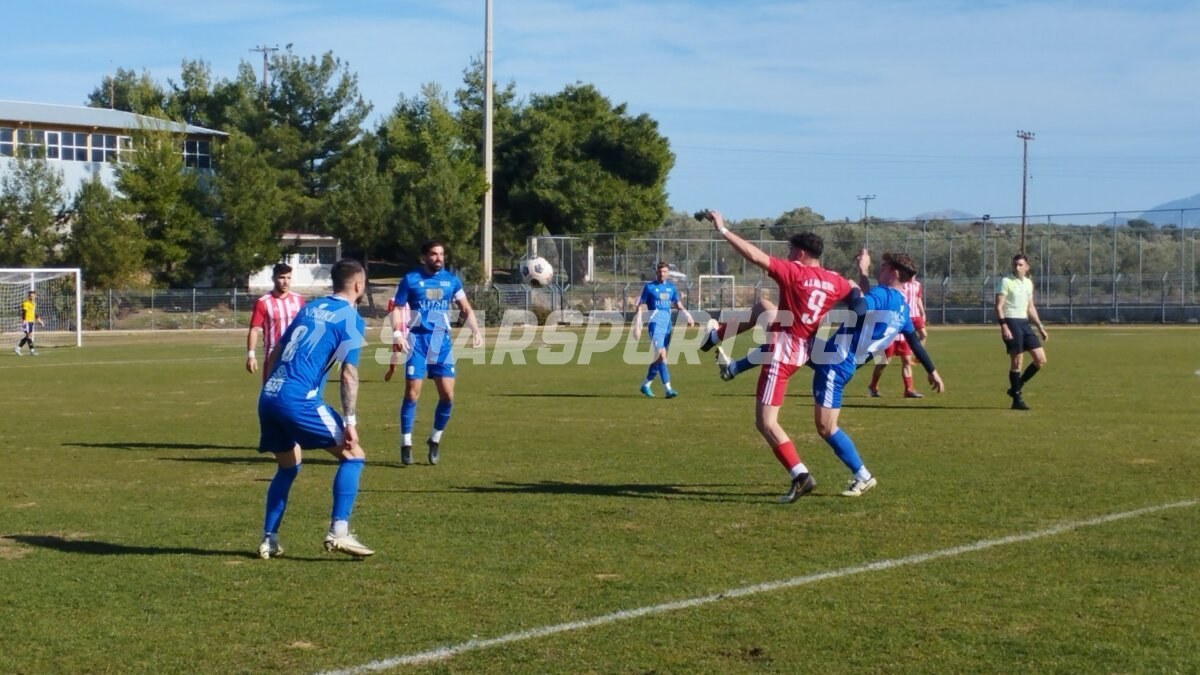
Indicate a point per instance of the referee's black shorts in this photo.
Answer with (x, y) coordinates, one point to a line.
(1023, 337)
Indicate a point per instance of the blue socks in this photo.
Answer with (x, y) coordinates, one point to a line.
(662, 372)
(345, 487)
(408, 415)
(277, 494)
(843, 447)
(441, 414)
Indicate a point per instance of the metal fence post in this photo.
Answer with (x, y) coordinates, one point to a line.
(110, 310)
(193, 308)
(945, 285)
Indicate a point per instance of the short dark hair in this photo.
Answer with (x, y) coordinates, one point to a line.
(809, 242)
(661, 264)
(280, 270)
(902, 263)
(1020, 256)
(343, 273)
(430, 244)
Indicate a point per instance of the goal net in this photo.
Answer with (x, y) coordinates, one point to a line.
(717, 292)
(59, 297)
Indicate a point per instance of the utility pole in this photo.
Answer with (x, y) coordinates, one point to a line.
(485, 238)
(266, 52)
(1025, 137)
(866, 199)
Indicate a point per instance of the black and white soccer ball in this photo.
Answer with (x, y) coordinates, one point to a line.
(536, 271)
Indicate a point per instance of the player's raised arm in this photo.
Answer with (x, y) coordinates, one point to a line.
(749, 251)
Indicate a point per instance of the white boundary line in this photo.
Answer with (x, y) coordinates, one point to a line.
(443, 653)
(40, 362)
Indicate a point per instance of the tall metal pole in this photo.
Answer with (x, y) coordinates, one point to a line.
(266, 51)
(485, 239)
(866, 199)
(1025, 137)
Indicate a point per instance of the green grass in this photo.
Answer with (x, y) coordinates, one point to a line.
(132, 503)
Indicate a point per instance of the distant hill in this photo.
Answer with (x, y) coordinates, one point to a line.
(1168, 213)
(948, 214)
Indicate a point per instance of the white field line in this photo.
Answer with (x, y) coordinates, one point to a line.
(41, 362)
(443, 653)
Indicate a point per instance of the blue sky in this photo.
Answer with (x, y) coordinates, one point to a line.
(769, 105)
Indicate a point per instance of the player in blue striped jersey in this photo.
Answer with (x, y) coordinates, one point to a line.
(659, 296)
(292, 416)
(422, 322)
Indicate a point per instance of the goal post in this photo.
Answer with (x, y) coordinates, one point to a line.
(716, 293)
(59, 303)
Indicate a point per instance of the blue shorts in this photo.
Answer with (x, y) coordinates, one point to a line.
(310, 424)
(660, 333)
(828, 383)
(28, 326)
(429, 355)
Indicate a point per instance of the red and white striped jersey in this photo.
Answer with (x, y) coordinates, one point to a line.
(912, 292)
(273, 314)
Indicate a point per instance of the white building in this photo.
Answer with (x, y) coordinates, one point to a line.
(311, 262)
(84, 142)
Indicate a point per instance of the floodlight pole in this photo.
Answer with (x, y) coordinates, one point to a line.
(485, 235)
(1025, 137)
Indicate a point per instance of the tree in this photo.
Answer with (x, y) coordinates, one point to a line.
(248, 204)
(314, 113)
(358, 205)
(31, 212)
(127, 90)
(166, 198)
(796, 220)
(106, 241)
(437, 185)
(578, 165)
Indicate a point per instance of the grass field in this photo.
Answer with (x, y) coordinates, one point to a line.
(132, 507)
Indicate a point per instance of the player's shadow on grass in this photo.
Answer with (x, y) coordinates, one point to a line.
(311, 459)
(92, 547)
(703, 492)
(132, 445)
(568, 395)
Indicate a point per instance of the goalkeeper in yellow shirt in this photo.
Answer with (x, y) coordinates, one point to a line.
(29, 319)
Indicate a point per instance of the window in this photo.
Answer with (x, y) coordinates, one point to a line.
(31, 143)
(197, 154)
(6, 142)
(74, 147)
(308, 255)
(104, 147)
(327, 255)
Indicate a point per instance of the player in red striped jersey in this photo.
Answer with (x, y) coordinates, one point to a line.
(914, 296)
(807, 292)
(272, 314)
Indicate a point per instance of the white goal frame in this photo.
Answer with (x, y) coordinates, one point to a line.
(732, 284)
(31, 276)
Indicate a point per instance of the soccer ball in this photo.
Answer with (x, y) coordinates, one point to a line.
(536, 271)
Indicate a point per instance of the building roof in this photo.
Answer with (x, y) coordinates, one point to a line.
(82, 116)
